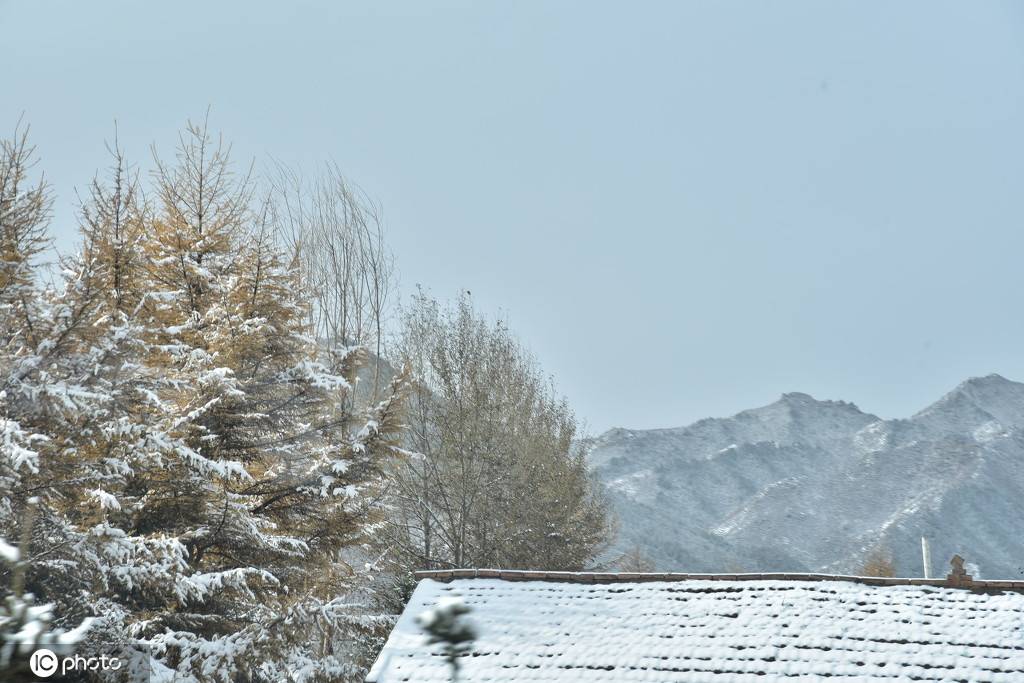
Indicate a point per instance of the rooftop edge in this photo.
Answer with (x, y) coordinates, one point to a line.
(952, 581)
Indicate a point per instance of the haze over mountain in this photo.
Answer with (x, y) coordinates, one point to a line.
(809, 485)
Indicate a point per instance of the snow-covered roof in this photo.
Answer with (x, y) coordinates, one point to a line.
(559, 628)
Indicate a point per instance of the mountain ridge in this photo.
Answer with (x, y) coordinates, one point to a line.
(803, 484)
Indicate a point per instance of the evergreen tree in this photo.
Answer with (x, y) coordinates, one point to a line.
(203, 475)
(271, 476)
(49, 405)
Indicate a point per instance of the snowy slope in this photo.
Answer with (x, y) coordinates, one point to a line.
(808, 485)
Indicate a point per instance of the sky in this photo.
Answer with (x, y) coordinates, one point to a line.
(684, 208)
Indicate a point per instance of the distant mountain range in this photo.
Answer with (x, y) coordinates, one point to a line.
(809, 485)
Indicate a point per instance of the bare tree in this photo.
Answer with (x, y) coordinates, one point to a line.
(499, 477)
(336, 233)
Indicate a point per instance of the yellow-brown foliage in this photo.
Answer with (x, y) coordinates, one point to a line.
(878, 563)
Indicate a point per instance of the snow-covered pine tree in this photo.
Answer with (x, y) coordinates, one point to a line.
(25, 625)
(24, 212)
(117, 563)
(270, 475)
(48, 402)
(201, 472)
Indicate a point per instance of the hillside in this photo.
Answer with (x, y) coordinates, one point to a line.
(809, 485)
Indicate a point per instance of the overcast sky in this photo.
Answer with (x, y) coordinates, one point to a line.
(684, 208)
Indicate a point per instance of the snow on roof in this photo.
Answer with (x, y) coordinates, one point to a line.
(626, 628)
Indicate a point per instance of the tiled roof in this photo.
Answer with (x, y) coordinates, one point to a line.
(678, 628)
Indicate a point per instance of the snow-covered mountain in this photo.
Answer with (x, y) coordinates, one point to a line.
(808, 485)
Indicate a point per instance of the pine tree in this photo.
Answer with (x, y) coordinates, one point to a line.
(271, 475)
(204, 479)
(25, 625)
(49, 404)
(112, 223)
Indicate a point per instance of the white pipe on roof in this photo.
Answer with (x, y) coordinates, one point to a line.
(926, 557)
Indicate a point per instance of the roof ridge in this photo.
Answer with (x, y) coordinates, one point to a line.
(445, 575)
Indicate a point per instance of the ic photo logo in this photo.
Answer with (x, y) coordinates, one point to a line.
(44, 663)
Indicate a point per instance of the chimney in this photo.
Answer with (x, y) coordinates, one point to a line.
(958, 577)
